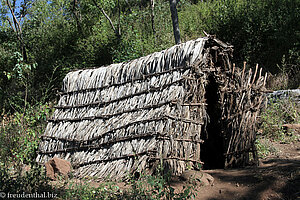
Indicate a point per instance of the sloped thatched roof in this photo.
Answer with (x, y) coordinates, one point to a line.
(124, 117)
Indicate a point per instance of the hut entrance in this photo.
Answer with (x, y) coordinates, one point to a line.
(212, 149)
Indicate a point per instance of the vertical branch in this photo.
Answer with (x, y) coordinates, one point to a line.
(119, 25)
(174, 16)
(14, 5)
(76, 14)
(17, 28)
(152, 16)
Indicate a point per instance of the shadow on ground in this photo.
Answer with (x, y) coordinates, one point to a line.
(274, 179)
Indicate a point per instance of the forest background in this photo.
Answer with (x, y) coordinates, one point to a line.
(50, 38)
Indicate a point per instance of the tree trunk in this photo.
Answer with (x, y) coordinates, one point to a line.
(17, 28)
(152, 16)
(174, 16)
(76, 13)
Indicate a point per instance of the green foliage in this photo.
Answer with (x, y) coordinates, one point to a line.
(19, 137)
(157, 187)
(60, 36)
(273, 118)
(20, 69)
(17, 81)
(264, 147)
(261, 31)
(83, 191)
(33, 180)
(138, 38)
(147, 187)
(19, 134)
(277, 114)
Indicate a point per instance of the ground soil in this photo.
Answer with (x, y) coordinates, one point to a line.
(277, 177)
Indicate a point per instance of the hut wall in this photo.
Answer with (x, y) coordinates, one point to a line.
(111, 121)
(125, 117)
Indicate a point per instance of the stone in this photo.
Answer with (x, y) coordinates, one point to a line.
(57, 167)
(193, 176)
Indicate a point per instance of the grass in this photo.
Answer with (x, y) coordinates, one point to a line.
(265, 148)
(147, 187)
(276, 114)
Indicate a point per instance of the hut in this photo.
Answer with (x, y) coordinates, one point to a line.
(184, 107)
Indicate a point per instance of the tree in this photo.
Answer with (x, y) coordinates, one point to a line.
(174, 16)
(16, 24)
(116, 30)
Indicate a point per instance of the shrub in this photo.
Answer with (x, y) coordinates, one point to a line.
(289, 72)
(33, 180)
(276, 114)
(84, 191)
(19, 136)
(261, 31)
(147, 187)
(264, 147)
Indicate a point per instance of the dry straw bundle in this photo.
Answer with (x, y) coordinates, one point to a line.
(126, 117)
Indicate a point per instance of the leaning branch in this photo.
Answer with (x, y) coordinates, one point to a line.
(107, 17)
(16, 22)
(17, 28)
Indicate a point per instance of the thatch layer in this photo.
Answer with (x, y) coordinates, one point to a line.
(112, 120)
(125, 117)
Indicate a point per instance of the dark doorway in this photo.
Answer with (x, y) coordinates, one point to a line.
(213, 147)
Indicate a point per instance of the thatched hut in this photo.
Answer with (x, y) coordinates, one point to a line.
(184, 106)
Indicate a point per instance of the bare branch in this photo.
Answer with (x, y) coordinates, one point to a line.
(17, 28)
(11, 25)
(119, 25)
(16, 22)
(107, 17)
(76, 14)
(152, 16)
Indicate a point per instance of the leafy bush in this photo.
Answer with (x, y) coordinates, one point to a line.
(19, 137)
(19, 134)
(32, 180)
(276, 114)
(264, 147)
(84, 191)
(147, 187)
(289, 72)
(261, 31)
(157, 187)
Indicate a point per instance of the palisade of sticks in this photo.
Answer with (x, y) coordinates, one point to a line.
(242, 100)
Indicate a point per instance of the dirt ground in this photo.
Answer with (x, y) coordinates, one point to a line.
(277, 177)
